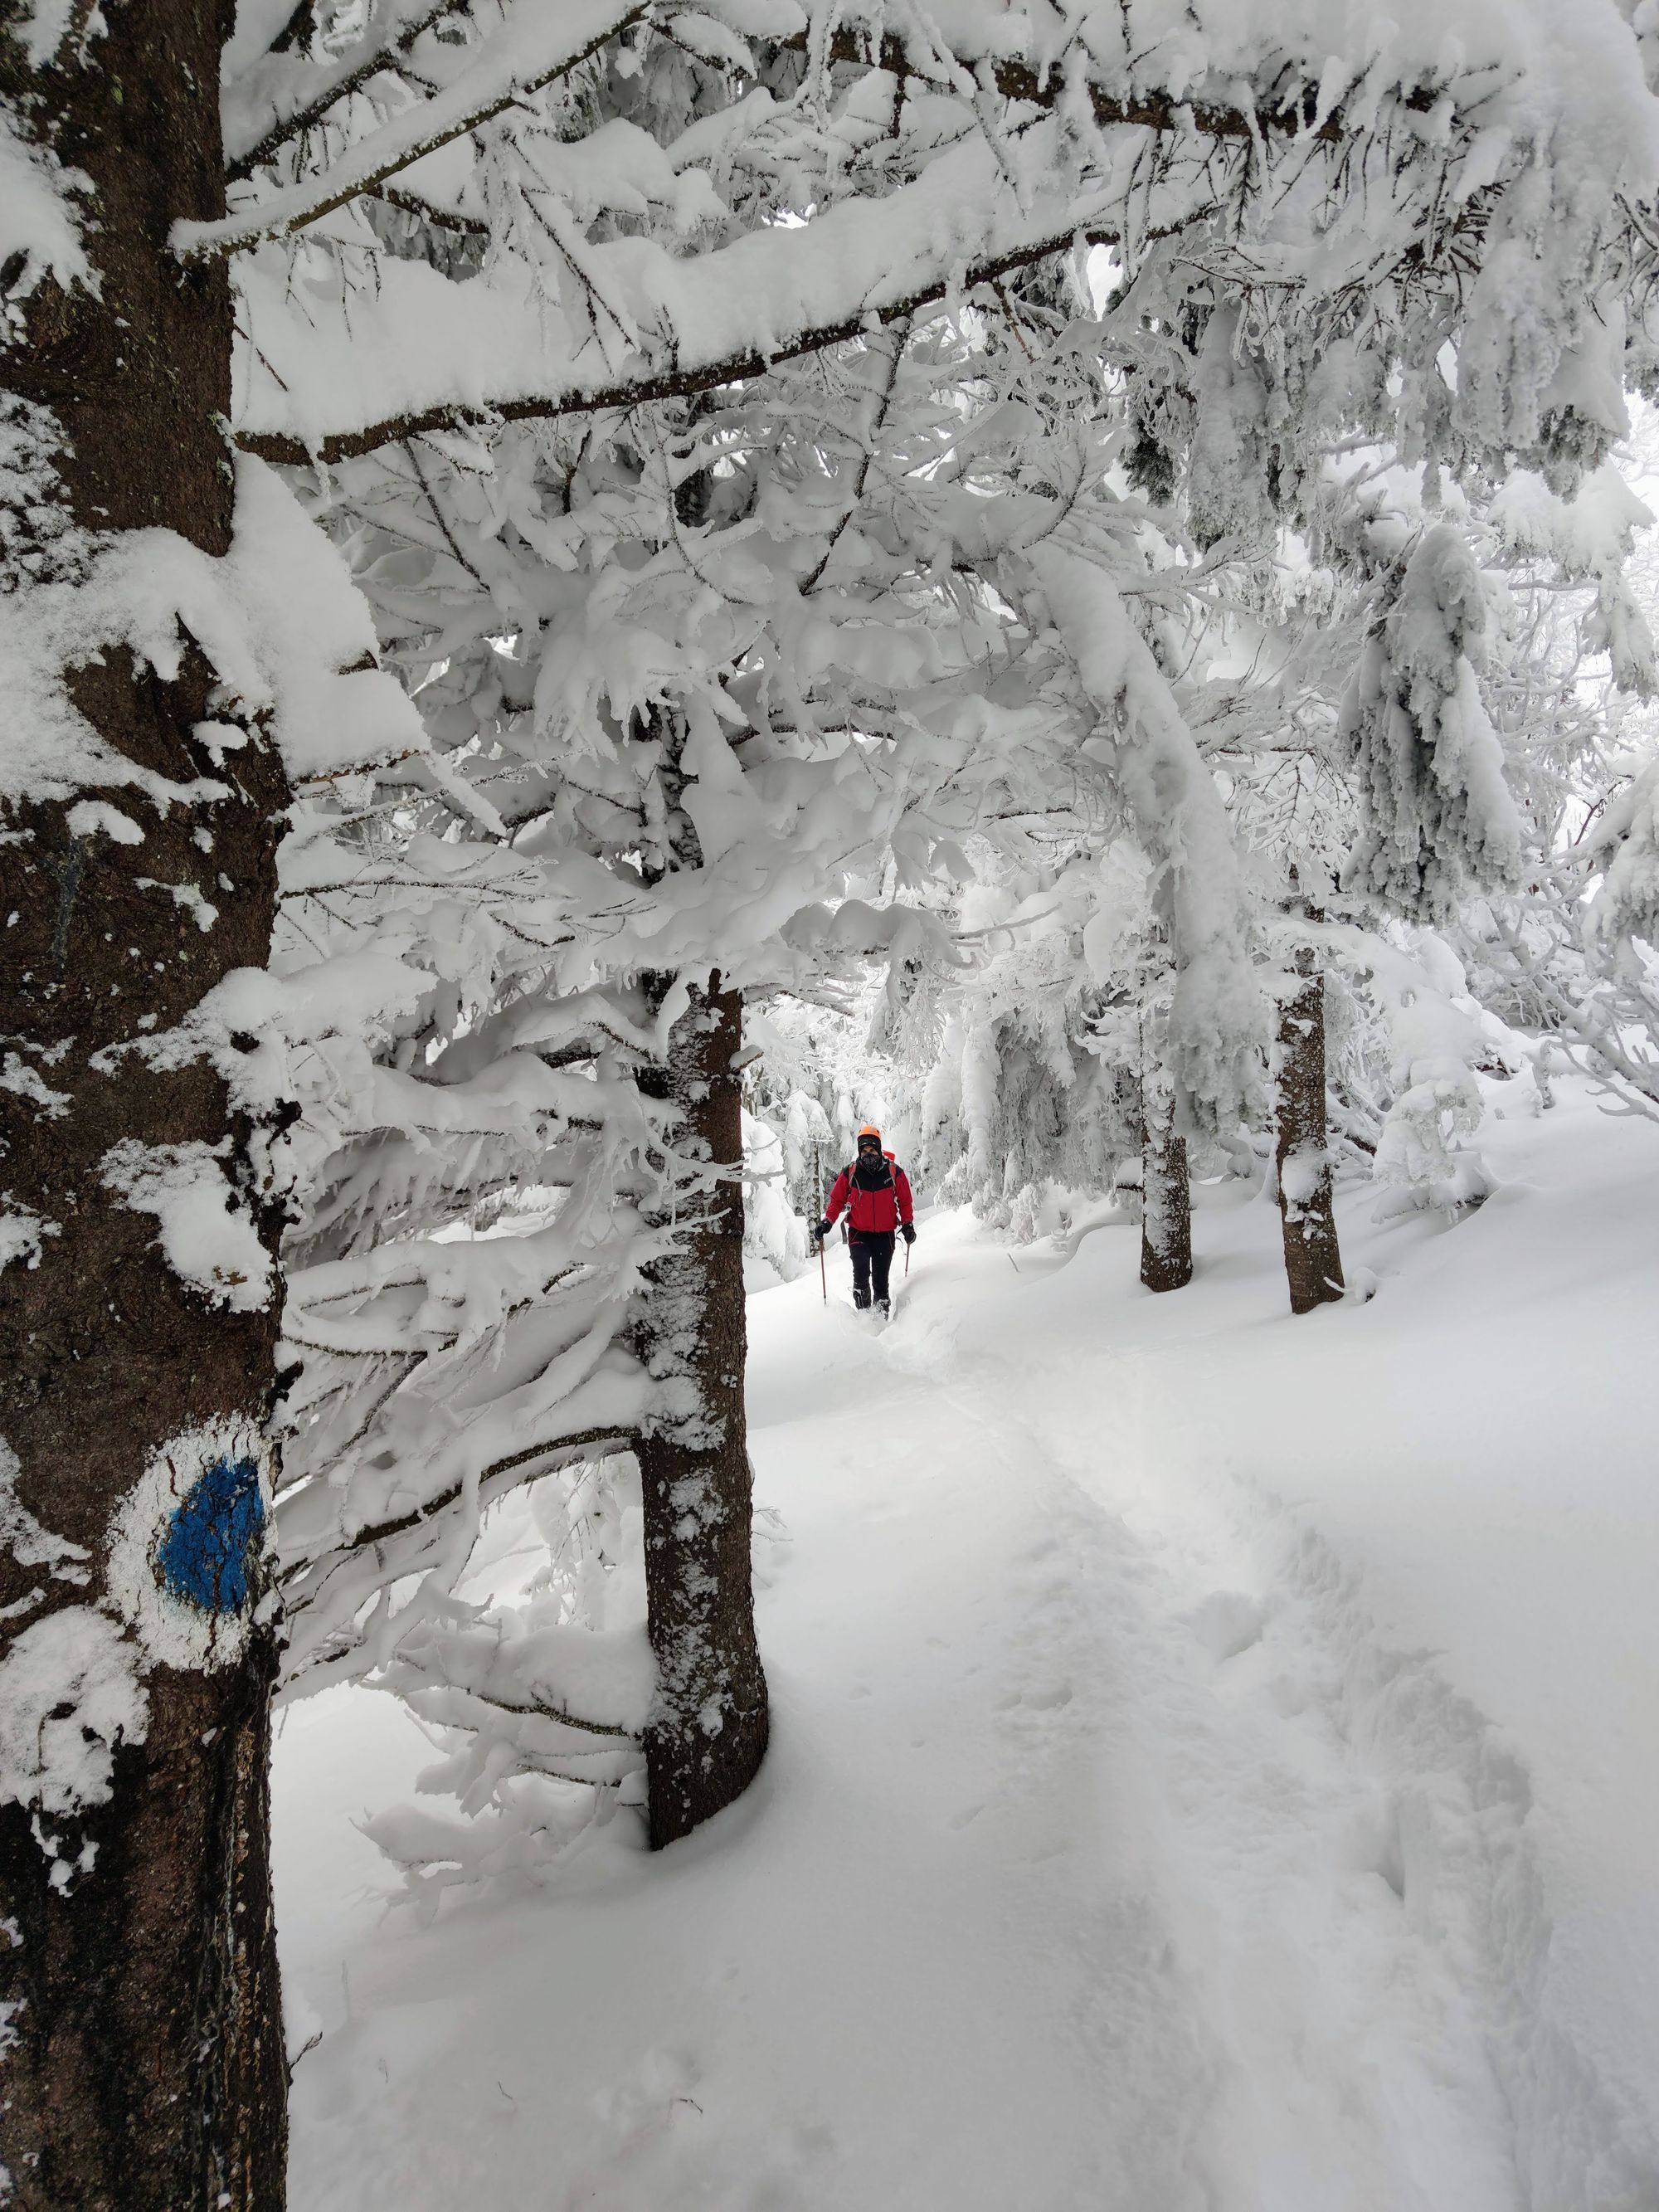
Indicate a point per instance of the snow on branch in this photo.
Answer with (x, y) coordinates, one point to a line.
(330, 447)
(536, 46)
(274, 100)
(1218, 1022)
(1236, 115)
(1440, 820)
(479, 353)
(1302, 109)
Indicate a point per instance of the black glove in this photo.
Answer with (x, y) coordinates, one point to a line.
(908, 1231)
(820, 1232)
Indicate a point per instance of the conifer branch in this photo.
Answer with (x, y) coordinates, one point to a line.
(284, 450)
(482, 93)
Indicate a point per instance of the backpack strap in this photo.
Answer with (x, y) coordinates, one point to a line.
(852, 1184)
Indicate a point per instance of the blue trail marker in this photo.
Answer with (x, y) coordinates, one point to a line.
(203, 1557)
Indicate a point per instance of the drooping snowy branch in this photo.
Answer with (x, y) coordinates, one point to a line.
(1218, 1020)
(1439, 820)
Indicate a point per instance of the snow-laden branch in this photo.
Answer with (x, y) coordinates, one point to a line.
(332, 1585)
(453, 355)
(499, 79)
(680, 382)
(1302, 109)
(260, 121)
(1217, 1021)
(536, 48)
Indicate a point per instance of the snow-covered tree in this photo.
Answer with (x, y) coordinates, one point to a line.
(179, 644)
(1438, 821)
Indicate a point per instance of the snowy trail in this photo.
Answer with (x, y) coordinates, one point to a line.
(1105, 1855)
(917, 1967)
(1370, 1900)
(1348, 2071)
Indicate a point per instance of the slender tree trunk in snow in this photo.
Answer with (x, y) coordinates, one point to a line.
(1313, 1263)
(1166, 1220)
(145, 2069)
(708, 1733)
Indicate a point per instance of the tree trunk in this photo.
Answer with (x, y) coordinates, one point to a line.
(1166, 1218)
(708, 1732)
(1313, 1263)
(146, 2069)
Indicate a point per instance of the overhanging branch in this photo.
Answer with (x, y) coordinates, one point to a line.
(474, 100)
(1152, 111)
(290, 127)
(680, 383)
(362, 170)
(380, 1532)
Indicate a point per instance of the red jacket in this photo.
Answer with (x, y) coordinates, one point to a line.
(872, 1209)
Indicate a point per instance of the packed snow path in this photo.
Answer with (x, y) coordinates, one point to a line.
(1108, 1854)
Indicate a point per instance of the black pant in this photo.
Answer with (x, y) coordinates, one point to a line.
(873, 1256)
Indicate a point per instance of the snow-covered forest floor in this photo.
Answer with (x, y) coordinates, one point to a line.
(1213, 1765)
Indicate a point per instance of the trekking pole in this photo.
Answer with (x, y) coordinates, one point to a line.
(907, 1258)
(823, 1270)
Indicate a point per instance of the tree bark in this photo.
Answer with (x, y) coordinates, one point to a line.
(1166, 1219)
(708, 1732)
(146, 2071)
(1313, 1261)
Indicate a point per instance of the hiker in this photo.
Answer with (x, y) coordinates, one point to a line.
(877, 1195)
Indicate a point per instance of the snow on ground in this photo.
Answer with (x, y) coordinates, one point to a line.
(1212, 1767)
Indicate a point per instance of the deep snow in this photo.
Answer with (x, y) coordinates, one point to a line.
(1212, 1767)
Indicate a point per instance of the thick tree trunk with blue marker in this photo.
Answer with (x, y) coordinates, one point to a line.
(145, 2071)
(707, 1734)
